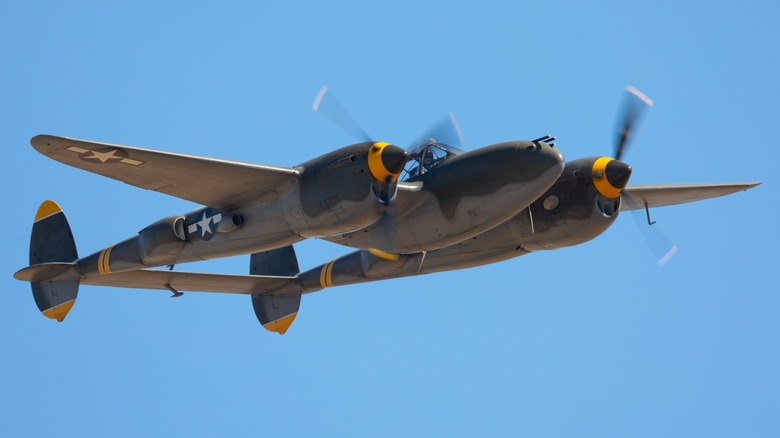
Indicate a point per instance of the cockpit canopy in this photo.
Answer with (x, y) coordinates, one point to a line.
(425, 157)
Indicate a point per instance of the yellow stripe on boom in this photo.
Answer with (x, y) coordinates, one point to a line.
(325, 274)
(383, 254)
(103, 261)
(328, 279)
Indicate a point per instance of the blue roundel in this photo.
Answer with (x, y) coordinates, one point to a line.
(203, 223)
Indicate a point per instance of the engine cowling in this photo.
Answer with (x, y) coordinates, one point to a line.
(162, 241)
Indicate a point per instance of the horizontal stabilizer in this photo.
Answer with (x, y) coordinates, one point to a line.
(660, 195)
(48, 271)
(195, 282)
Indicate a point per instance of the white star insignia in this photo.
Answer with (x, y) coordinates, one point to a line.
(205, 225)
(103, 156)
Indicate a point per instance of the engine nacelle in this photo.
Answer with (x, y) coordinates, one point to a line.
(162, 241)
(347, 189)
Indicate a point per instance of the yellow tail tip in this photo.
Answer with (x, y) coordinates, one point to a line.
(281, 325)
(60, 311)
(47, 209)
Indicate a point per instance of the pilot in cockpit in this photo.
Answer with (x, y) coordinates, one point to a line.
(427, 163)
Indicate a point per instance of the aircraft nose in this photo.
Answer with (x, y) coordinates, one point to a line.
(618, 173)
(551, 153)
(543, 156)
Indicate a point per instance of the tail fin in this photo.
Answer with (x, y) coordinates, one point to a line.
(52, 249)
(276, 311)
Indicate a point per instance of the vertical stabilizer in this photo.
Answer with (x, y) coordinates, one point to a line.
(52, 242)
(276, 311)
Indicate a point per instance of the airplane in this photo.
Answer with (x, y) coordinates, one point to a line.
(432, 209)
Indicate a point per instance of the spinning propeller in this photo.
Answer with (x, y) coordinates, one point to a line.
(634, 108)
(610, 175)
(445, 131)
(385, 161)
(615, 173)
(326, 104)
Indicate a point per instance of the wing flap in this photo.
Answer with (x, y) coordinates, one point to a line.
(660, 195)
(197, 282)
(207, 181)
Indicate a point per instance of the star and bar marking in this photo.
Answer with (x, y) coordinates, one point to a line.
(204, 224)
(105, 155)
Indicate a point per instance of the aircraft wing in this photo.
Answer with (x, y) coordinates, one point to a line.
(196, 282)
(208, 181)
(659, 195)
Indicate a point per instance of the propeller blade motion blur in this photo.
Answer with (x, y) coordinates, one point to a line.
(635, 107)
(660, 245)
(329, 106)
(447, 131)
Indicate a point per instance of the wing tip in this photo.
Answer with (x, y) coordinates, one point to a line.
(44, 143)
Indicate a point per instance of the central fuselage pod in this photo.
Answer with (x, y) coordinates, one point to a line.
(464, 196)
(573, 211)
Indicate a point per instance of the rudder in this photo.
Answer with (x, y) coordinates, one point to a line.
(276, 311)
(52, 242)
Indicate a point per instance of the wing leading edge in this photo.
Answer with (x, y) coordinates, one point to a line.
(660, 195)
(208, 181)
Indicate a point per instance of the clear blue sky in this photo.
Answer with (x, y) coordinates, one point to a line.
(589, 341)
